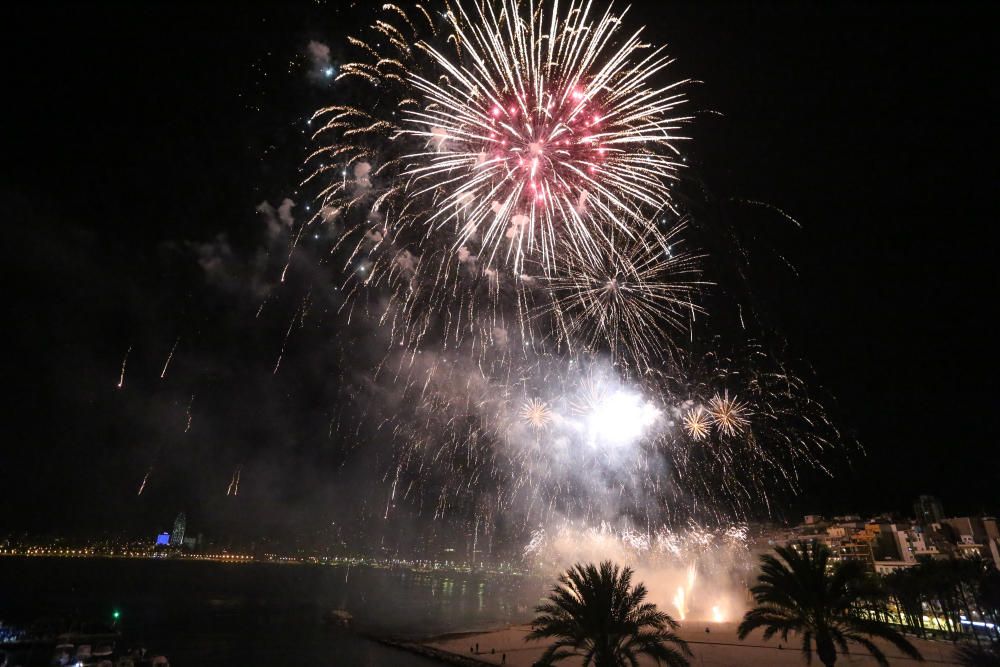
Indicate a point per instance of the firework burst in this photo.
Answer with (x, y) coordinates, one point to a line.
(536, 413)
(630, 301)
(697, 423)
(728, 414)
(514, 143)
(541, 127)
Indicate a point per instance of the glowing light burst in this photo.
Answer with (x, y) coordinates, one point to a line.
(536, 413)
(728, 414)
(698, 571)
(697, 423)
(621, 418)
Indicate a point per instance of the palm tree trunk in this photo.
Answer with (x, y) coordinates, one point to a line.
(920, 618)
(826, 652)
(968, 612)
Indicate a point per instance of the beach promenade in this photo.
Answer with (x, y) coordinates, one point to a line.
(717, 648)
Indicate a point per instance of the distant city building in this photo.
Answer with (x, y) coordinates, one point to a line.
(911, 543)
(163, 539)
(883, 544)
(177, 536)
(928, 510)
(890, 566)
(974, 537)
(992, 527)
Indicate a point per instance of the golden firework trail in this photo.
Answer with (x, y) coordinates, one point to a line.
(121, 376)
(170, 356)
(145, 478)
(234, 483)
(630, 302)
(187, 425)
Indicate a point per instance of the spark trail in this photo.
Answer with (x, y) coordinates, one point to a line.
(121, 376)
(170, 356)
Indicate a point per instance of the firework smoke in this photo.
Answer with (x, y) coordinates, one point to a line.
(696, 572)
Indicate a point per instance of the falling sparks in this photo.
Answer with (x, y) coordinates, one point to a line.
(234, 483)
(187, 425)
(121, 377)
(284, 343)
(170, 356)
(630, 299)
(145, 478)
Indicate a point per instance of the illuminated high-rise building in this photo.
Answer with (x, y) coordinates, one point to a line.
(177, 535)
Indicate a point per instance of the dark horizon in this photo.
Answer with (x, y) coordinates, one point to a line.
(144, 137)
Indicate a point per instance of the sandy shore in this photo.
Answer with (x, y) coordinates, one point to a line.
(717, 648)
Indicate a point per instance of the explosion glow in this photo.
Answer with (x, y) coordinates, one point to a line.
(696, 573)
(621, 419)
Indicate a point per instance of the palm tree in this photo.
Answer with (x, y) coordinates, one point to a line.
(906, 587)
(596, 613)
(802, 595)
(989, 597)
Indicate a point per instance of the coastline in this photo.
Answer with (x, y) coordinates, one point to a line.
(429, 652)
(712, 645)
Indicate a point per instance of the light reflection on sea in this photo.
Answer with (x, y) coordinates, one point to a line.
(203, 613)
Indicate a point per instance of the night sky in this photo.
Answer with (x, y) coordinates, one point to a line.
(141, 137)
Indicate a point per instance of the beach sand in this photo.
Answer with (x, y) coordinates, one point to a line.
(717, 648)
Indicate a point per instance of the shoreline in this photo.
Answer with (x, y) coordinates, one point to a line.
(506, 645)
(431, 653)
